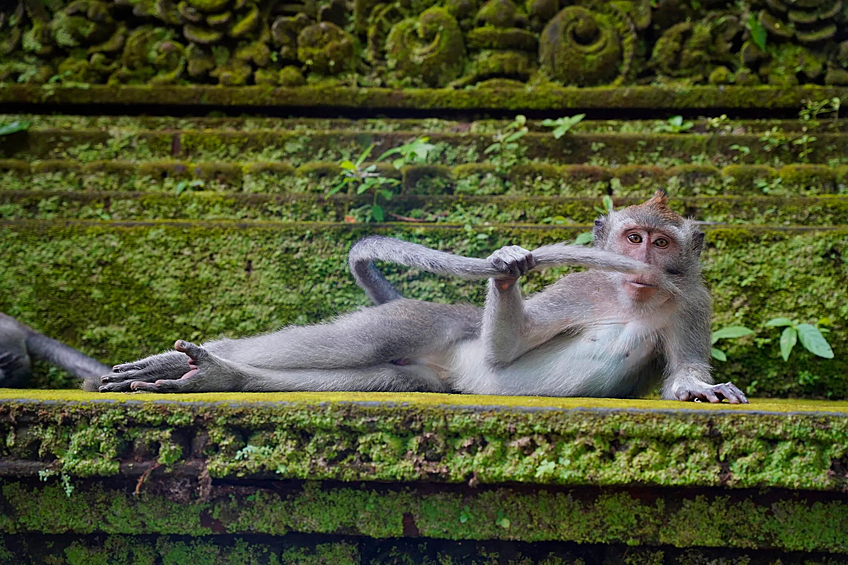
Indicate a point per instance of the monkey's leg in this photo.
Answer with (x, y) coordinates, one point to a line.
(210, 373)
(400, 329)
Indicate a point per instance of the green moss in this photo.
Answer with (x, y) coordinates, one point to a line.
(542, 98)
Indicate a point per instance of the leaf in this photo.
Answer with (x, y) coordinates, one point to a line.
(399, 162)
(387, 194)
(516, 135)
(813, 341)
(584, 238)
(377, 212)
(549, 123)
(364, 155)
(520, 119)
(362, 188)
(718, 354)
(788, 339)
(778, 322)
(348, 166)
(731, 332)
(492, 147)
(758, 32)
(676, 121)
(391, 151)
(14, 127)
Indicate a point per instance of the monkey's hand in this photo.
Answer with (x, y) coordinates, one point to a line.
(513, 261)
(713, 393)
(206, 373)
(168, 365)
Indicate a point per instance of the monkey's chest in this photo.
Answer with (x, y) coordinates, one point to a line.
(602, 360)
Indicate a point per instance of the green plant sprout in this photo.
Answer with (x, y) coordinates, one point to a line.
(675, 124)
(729, 332)
(810, 336)
(562, 125)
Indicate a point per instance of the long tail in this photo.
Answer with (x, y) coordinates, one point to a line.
(378, 248)
(75, 362)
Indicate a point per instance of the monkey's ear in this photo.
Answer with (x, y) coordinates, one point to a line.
(599, 231)
(698, 242)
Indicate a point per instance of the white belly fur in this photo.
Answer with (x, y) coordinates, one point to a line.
(592, 363)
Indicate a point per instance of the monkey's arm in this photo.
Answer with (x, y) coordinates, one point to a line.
(378, 248)
(686, 343)
(513, 326)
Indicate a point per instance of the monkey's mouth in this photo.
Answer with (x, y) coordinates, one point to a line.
(641, 284)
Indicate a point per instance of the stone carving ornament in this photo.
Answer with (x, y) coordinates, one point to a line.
(449, 44)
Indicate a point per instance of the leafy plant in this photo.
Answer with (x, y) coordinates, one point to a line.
(804, 141)
(562, 125)
(505, 149)
(674, 124)
(810, 336)
(14, 127)
(729, 332)
(366, 179)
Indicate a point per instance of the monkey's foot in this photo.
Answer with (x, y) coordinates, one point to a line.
(207, 373)
(169, 365)
(715, 393)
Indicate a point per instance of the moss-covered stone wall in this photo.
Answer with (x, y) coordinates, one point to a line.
(498, 44)
(416, 478)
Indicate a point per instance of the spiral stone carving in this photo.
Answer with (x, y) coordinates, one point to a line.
(326, 48)
(581, 48)
(428, 49)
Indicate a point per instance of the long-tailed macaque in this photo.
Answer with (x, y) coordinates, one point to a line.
(639, 316)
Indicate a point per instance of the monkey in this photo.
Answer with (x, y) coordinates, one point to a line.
(19, 344)
(637, 318)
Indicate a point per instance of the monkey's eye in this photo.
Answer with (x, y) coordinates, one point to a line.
(661, 242)
(634, 238)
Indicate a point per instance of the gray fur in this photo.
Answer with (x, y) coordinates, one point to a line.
(582, 336)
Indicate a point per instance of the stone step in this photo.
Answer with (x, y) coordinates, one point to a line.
(123, 290)
(333, 96)
(717, 125)
(815, 211)
(531, 178)
(297, 148)
(442, 467)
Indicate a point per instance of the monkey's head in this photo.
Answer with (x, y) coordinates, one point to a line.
(652, 233)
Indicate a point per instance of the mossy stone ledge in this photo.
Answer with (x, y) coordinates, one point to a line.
(447, 468)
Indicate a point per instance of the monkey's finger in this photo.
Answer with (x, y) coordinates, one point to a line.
(123, 386)
(711, 396)
(184, 384)
(732, 393)
(195, 352)
(123, 367)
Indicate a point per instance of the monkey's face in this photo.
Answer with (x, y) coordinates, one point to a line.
(656, 247)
